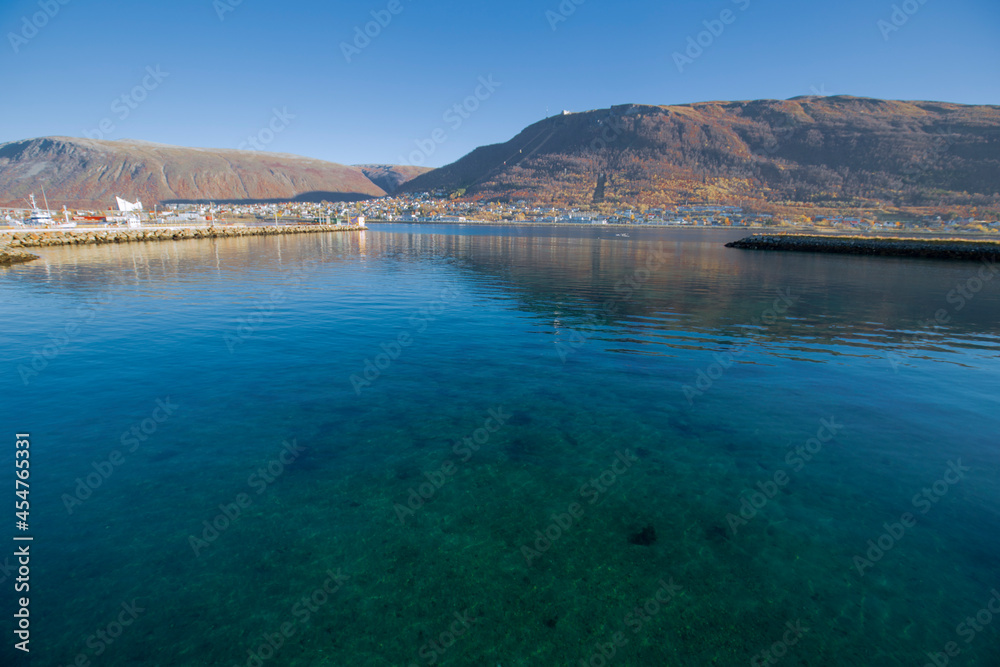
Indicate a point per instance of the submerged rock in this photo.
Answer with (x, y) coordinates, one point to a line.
(644, 538)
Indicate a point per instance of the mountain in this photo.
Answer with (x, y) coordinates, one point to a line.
(826, 151)
(84, 173)
(390, 177)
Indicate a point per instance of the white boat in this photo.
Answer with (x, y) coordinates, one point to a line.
(44, 218)
(38, 216)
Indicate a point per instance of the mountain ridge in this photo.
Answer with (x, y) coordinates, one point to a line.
(821, 152)
(391, 177)
(836, 151)
(90, 173)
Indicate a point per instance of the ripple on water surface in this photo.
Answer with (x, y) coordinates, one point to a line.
(535, 429)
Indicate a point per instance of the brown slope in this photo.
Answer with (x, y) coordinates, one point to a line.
(88, 173)
(834, 151)
(391, 177)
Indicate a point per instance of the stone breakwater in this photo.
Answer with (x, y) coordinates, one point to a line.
(886, 247)
(42, 239)
(8, 256)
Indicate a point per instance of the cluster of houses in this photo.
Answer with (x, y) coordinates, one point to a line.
(427, 207)
(194, 214)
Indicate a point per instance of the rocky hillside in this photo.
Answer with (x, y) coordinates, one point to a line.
(826, 151)
(391, 177)
(90, 174)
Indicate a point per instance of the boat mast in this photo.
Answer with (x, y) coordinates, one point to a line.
(46, 200)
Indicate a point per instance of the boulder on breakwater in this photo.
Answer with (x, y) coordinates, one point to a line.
(885, 247)
(41, 239)
(8, 256)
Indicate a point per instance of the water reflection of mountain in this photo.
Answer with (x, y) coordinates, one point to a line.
(85, 271)
(699, 293)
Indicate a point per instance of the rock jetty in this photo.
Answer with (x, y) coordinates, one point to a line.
(8, 256)
(43, 239)
(885, 247)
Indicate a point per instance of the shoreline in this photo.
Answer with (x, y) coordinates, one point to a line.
(12, 253)
(752, 229)
(10, 257)
(923, 248)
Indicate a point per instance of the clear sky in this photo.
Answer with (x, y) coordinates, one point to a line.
(226, 66)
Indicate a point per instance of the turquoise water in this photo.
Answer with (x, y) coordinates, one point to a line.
(393, 420)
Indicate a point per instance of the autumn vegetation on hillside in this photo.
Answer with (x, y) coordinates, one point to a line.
(805, 156)
(88, 173)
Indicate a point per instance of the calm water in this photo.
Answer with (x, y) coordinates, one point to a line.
(444, 445)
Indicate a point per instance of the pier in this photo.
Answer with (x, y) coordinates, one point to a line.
(12, 242)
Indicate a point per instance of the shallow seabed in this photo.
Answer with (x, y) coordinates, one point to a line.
(447, 445)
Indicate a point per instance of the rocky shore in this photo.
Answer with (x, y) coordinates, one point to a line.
(886, 247)
(8, 256)
(42, 239)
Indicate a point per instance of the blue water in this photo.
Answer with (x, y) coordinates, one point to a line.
(628, 395)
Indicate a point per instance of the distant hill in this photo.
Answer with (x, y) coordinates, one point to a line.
(390, 177)
(828, 151)
(85, 173)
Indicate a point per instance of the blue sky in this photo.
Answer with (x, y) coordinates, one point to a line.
(225, 69)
